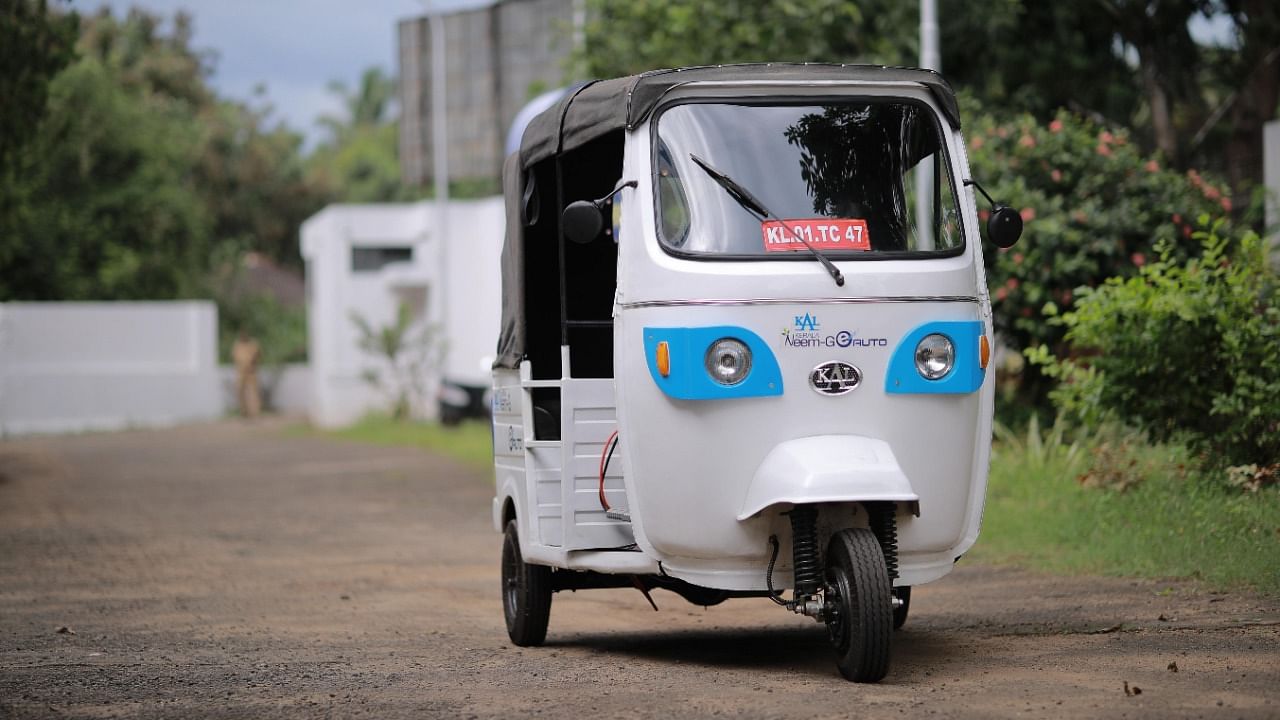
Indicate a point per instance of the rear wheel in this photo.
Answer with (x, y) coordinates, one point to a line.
(858, 605)
(526, 593)
(903, 593)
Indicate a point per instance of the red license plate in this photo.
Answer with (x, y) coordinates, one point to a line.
(823, 234)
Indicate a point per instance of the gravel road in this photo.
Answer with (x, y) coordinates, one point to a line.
(227, 570)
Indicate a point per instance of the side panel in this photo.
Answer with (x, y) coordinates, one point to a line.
(589, 419)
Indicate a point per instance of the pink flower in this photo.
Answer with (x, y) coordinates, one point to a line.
(1011, 283)
(977, 142)
(1017, 258)
(983, 215)
(1138, 259)
(1186, 231)
(1226, 204)
(1002, 131)
(1152, 166)
(1104, 150)
(1177, 218)
(1001, 294)
(1106, 137)
(1027, 141)
(1055, 126)
(1056, 175)
(1211, 192)
(1028, 214)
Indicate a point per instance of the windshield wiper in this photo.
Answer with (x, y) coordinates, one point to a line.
(752, 204)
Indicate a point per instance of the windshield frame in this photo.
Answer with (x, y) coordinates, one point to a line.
(803, 100)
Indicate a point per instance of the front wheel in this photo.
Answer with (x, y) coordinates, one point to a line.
(526, 593)
(858, 605)
(903, 594)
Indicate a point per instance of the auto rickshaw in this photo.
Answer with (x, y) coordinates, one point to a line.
(745, 346)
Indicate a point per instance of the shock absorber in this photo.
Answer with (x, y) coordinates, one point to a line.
(881, 517)
(806, 561)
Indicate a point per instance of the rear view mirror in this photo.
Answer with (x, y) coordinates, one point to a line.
(582, 221)
(1004, 227)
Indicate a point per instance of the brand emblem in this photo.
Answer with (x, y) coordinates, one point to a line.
(835, 378)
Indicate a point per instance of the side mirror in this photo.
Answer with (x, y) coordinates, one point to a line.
(1004, 227)
(582, 221)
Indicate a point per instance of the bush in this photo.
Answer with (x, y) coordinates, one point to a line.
(1182, 350)
(1094, 207)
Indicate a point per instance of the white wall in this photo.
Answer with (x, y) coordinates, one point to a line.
(463, 302)
(71, 367)
(286, 389)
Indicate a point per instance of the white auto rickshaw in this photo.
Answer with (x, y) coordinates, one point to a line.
(745, 346)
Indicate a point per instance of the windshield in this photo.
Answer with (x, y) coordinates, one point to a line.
(854, 179)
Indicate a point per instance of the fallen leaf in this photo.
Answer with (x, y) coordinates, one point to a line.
(64, 630)
(1173, 666)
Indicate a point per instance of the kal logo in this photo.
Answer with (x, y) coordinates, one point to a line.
(834, 378)
(806, 323)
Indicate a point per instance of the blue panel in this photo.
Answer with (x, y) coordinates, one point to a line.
(689, 379)
(966, 374)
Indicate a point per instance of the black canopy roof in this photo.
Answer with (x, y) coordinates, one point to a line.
(603, 106)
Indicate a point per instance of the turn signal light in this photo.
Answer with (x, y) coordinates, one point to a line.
(984, 351)
(663, 359)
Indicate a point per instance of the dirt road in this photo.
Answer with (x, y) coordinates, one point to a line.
(229, 571)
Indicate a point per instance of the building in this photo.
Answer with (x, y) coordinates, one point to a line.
(363, 262)
(499, 56)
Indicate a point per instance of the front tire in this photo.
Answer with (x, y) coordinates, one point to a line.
(860, 611)
(526, 593)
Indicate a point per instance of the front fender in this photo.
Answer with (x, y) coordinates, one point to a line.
(827, 468)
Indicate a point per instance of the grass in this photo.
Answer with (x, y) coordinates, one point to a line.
(1166, 522)
(469, 443)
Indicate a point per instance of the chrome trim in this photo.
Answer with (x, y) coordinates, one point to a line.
(841, 387)
(867, 300)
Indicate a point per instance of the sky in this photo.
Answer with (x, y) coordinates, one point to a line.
(292, 47)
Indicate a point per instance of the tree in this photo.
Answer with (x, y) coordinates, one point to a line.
(140, 175)
(35, 45)
(624, 38)
(360, 161)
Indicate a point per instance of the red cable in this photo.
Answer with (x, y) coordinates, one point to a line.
(603, 454)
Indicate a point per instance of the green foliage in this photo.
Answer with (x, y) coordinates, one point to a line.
(360, 160)
(1094, 207)
(1040, 512)
(409, 351)
(281, 331)
(624, 38)
(1185, 349)
(139, 176)
(35, 45)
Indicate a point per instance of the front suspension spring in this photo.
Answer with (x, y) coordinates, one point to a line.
(806, 561)
(881, 517)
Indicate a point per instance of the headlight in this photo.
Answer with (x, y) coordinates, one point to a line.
(728, 361)
(934, 356)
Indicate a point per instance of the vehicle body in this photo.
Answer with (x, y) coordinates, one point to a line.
(822, 459)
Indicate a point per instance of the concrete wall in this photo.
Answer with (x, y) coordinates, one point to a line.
(285, 390)
(71, 367)
(495, 56)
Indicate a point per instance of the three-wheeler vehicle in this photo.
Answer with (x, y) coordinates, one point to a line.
(745, 346)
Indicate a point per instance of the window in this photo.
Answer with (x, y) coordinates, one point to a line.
(372, 259)
(854, 178)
